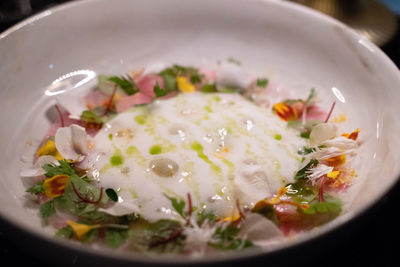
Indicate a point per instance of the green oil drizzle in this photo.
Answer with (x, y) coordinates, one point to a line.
(117, 159)
(156, 149)
(141, 119)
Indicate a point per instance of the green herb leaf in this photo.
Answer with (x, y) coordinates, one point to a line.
(66, 232)
(91, 117)
(158, 91)
(331, 204)
(302, 174)
(126, 84)
(112, 194)
(262, 82)
(74, 203)
(47, 209)
(305, 135)
(36, 189)
(115, 237)
(203, 215)
(91, 236)
(177, 204)
(227, 239)
(208, 88)
(63, 169)
(311, 95)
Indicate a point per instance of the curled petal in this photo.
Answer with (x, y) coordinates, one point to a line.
(81, 229)
(261, 231)
(71, 142)
(122, 207)
(36, 169)
(323, 132)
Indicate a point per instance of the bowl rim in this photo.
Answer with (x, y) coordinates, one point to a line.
(329, 228)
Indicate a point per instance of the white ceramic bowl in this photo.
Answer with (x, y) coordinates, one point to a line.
(296, 46)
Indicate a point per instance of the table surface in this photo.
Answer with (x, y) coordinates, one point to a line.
(373, 243)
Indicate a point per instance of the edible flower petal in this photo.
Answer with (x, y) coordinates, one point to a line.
(285, 111)
(336, 161)
(198, 236)
(49, 148)
(36, 169)
(71, 142)
(353, 135)
(322, 132)
(317, 172)
(260, 231)
(55, 186)
(333, 174)
(81, 229)
(183, 85)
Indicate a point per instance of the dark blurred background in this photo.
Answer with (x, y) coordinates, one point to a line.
(373, 240)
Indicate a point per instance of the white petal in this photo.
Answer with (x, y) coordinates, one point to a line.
(71, 142)
(341, 142)
(322, 132)
(121, 208)
(315, 173)
(36, 169)
(261, 231)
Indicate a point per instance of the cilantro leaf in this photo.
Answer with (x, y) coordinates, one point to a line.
(63, 169)
(115, 237)
(112, 194)
(36, 189)
(203, 215)
(331, 204)
(302, 174)
(262, 82)
(158, 91)
(88, 199)
(178, 205)
(305, 135)
(47, 209)
(91, 117)
(126, 84)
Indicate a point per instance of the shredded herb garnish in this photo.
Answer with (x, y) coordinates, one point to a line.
(302, 174)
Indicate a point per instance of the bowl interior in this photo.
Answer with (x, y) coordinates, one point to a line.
(295, 47)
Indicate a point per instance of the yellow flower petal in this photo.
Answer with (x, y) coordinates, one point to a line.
(81, 229)
(184, 86)
(339, 119)
(49, 149)
(55, 186)
(277, 198)
(333, 174)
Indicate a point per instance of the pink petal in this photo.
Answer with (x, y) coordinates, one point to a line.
(146, 84)
(315, 113)
(96, 98)
(127, 102)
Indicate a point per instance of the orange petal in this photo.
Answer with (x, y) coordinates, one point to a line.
(336, 161)
(285, 112)
(80, 229)
(353, 135)
(55, 186)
